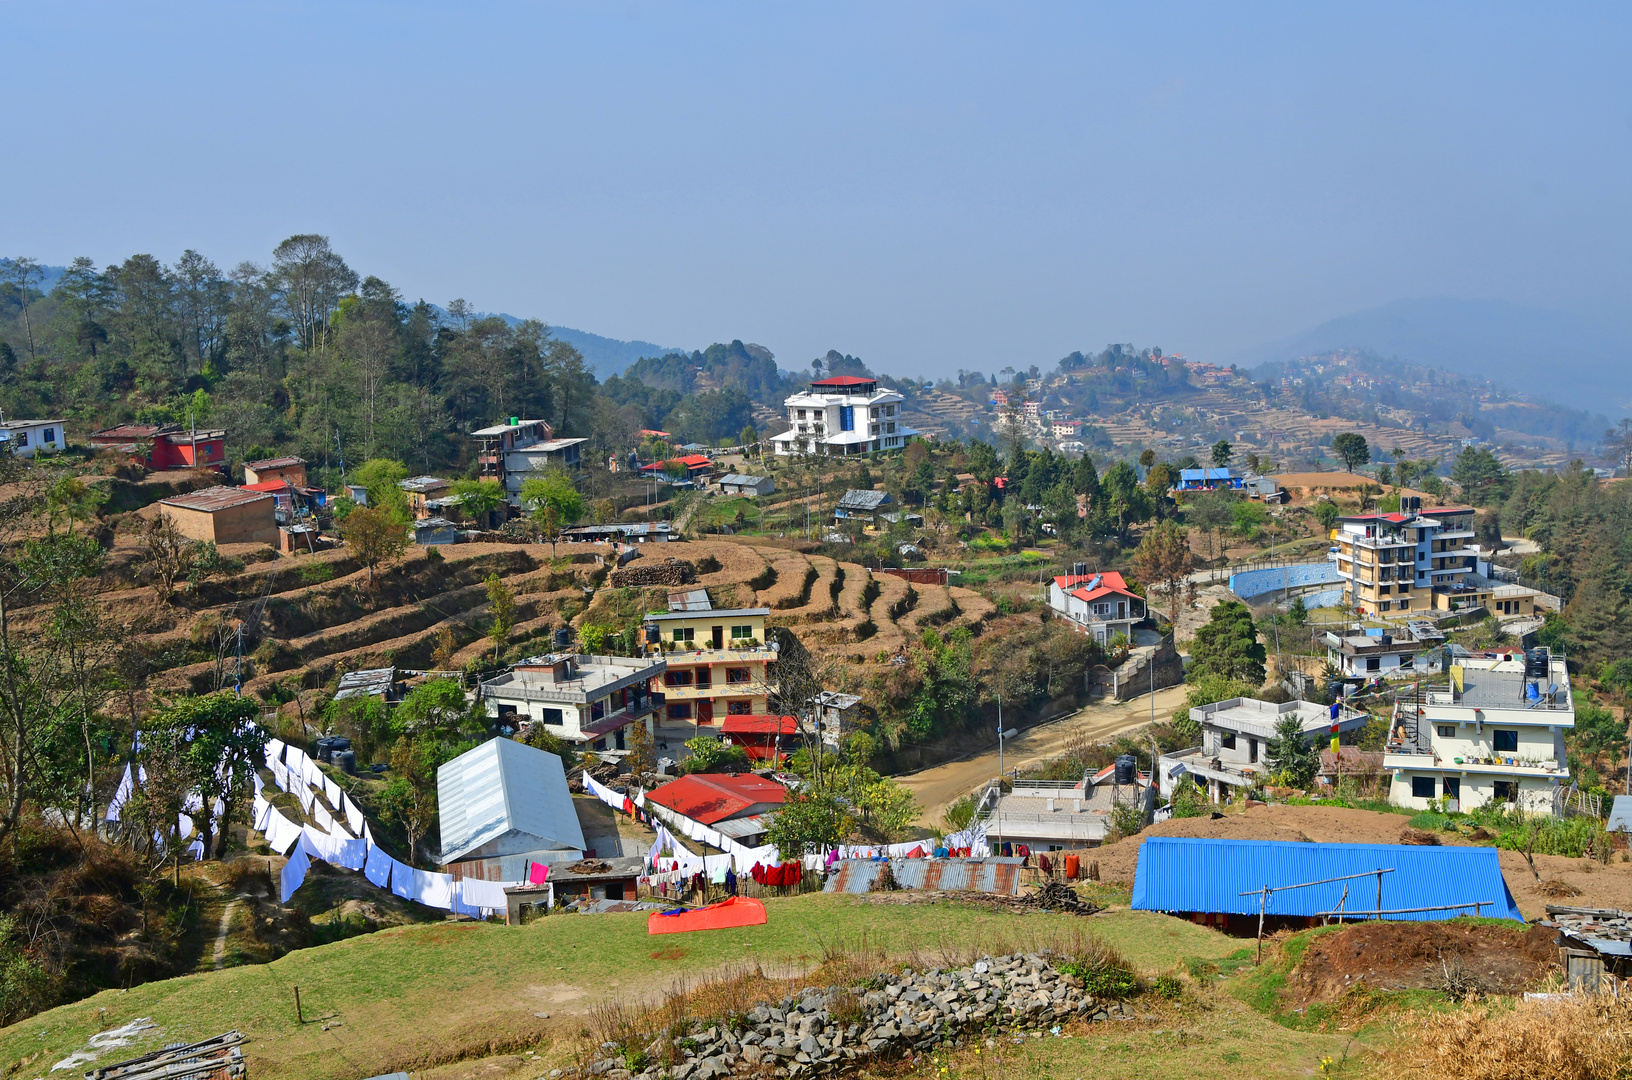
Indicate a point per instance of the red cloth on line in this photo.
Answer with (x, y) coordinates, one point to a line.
(538, 873)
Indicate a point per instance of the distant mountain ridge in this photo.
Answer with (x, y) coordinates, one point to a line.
(605, 356)
(1548, 355)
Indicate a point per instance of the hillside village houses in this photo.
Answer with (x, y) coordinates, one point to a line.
(717, 663)
(511, 451)
(25, 438)
(1412, 560)
(164, 447)
(1492, 731)
(1101, 605)
(845, 414)
(587, 700)
(1233, 758)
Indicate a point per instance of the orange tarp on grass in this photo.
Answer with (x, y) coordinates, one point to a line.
(737, 911)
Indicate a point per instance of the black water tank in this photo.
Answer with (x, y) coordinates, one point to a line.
(1127, 768)
(1535, 664)
(347, 760)
(563, 638)
(326, 748)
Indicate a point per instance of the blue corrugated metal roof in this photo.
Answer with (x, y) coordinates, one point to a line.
(1188, 874)
(1204, 474)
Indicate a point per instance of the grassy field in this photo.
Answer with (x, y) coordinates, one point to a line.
(439, 998)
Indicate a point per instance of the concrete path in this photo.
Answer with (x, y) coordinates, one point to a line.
(941, 785)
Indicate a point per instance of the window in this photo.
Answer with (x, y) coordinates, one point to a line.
(739, 708)
(1505, 742)
(873, 412)
(1422, 787)
(1446, 731)
(801, 414)
(1505, 791)
(1227, 740)
(847, 418)
(22, 438)
(737, 675)
(50, 435)
(551, 716)
(1451, 786)
(742, 633)
(1421, 574)
(1404, 606)
(684, 634)
(1384, 605)
(677, 678)
(704, 678)
(889, 410)
(1374, 663)
(680, 712)
(1253, 750)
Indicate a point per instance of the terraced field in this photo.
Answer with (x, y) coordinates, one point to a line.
(311, 617)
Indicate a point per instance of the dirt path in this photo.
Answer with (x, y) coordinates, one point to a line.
(936, 787)
(221, 935)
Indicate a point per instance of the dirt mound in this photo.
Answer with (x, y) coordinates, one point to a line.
(1456, 957)
(1299, 824)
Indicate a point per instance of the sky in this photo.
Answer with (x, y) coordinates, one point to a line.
(927, 186)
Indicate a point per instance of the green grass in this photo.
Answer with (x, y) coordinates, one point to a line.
(412, 996)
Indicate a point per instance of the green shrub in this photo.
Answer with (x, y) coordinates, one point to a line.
(316, 573)
(1169, 987)
(1104, 972)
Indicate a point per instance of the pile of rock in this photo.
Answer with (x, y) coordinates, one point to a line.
(667, 572)
(824, 1031)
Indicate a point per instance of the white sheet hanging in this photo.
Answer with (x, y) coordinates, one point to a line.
(402, 880)
(354, 816)
(306, 796)
(377, 866)
(274, 750)
(127, 788)
(331, 792)
(477, 893)
(433, 889)
(336, 851)
(294, 873)
(196, 850)
(184, 826)
(280, 831)
(322, 817)
(261, 810)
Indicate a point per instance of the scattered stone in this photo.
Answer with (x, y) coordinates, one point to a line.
(1007, 996)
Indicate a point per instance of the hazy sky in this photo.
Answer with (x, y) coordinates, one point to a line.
(928, 186)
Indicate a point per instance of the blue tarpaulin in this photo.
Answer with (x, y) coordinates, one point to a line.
(1193, 875)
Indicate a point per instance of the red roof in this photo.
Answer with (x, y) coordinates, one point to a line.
(268, 485)
(759, 725)
(690, 461)
(1398, 518)
(1109, 577)
(844, 380)
(714, 797)
(652, 432)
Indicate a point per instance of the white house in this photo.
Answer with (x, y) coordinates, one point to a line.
(1233, 755)
(582, 699)
(742, 484)
(1385, 655)
(846, 414)
(25, 438)
(1493, 731)
(1097, 604)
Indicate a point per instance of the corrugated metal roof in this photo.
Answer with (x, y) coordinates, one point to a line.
(1189, 874)
(714, 797)
(504, 786)
(209, 500)
(995, 875)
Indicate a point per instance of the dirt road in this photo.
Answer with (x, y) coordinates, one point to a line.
(938, 786)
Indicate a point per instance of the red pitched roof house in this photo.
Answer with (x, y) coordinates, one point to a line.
(711, 798)
(696, 465)
(766, 738)
(1097, 604)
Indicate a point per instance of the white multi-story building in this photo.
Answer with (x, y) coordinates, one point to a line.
(1491, 732)
(1413, 560)
(845, 414)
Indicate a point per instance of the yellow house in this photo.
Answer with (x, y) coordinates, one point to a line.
(717, 664)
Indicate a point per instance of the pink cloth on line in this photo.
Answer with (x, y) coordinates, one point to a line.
(538, 873)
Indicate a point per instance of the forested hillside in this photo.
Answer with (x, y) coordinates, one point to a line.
(307, 355)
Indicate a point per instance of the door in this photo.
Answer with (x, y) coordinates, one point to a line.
(705, 712)
(1453, 794)
(719, 637)
(1121, 609)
